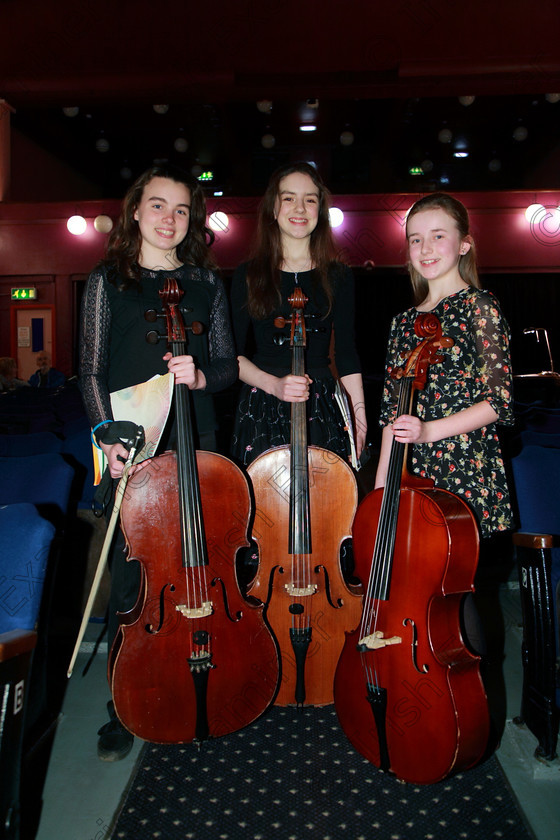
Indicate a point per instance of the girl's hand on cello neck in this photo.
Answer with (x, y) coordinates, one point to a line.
(185, 372)
(291, 388)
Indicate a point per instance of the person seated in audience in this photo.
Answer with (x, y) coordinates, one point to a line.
(8, 378)
(46, 376)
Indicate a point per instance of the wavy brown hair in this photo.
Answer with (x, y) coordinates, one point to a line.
(263, 271)
(125, 241)
(467, 262)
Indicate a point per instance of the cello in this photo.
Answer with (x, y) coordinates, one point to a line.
(305, 500)
(408, 693)
(193, 659)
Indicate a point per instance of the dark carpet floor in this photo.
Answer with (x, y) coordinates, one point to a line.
(294, 776)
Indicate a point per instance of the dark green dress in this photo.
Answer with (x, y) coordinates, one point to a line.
(477, 367)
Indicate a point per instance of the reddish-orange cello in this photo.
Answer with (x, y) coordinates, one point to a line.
(408, 693)
(305, 500)
(192, 659)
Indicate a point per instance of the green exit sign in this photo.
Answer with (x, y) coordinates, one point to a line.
(25, 294)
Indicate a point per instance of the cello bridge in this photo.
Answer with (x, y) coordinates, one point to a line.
(300, 591)
(195, 612)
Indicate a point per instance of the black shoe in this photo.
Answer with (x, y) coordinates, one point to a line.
(115, 742)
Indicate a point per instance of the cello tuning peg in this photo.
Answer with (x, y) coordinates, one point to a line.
(151, 315)
(281, 322)
(196, 327)
(153, 337)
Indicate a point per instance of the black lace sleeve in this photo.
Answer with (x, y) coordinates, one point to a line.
(94, 349)
(222, 370)
(494, 375)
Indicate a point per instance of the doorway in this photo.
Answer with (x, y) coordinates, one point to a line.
(32, 331)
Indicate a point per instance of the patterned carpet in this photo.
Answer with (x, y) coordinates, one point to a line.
(294, 776)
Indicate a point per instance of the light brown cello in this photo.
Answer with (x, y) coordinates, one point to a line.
(305, 500)
(408, 693)
(193, 659)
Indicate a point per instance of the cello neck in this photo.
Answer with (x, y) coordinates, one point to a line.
(389, 512)
(300, 528)
(190, 506)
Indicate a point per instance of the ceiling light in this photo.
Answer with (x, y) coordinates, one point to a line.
(533, 211)
(336, 217)
(460, 154)
(219, 222)
(76, 225)
(308, 127)
(346, 138)
(103, 224)
(268, 141)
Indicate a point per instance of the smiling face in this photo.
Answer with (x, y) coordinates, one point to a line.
(297, 206)
(163, 219)
(435, 245)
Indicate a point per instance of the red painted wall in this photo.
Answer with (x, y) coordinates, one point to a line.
(36, 247)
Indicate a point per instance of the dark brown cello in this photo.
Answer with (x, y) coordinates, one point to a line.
(408, 693)
(305, 500)
(192, 659)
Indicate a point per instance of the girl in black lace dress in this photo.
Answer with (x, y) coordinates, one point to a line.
(454, 437)
(161, 233)
(294, 246)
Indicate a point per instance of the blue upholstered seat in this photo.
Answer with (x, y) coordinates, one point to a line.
(32, 444)
(43, 480)
(25, 542)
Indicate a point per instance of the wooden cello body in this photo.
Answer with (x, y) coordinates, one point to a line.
(305, 500)
(408, 693)
(193, 659)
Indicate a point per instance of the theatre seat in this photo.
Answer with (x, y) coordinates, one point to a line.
(25, 543)
(536, 473)
(43, 480)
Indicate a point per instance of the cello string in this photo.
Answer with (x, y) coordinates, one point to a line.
(385, 538)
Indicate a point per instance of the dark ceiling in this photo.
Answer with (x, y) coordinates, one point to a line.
(394, 76)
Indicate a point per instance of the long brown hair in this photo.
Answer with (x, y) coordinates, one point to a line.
(125, 241)
(467, 262)
(263, 273)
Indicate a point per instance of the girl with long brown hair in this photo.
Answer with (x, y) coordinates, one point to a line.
(294, 246)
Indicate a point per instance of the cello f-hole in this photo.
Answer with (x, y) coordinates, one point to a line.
(414, 646)
(150, 627)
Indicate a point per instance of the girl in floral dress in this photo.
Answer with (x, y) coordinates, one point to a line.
(454, 437)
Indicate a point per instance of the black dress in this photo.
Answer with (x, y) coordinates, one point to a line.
(114, 353)
(262, 421)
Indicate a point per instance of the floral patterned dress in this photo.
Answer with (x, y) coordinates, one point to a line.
(477, 367)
